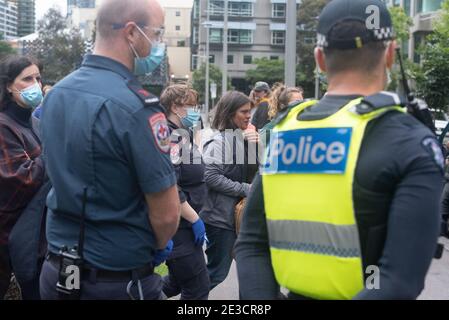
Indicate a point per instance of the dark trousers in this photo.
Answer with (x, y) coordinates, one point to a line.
(5, 271)
(29, 290)
(219, 253)
(100, 290)
(187, 276)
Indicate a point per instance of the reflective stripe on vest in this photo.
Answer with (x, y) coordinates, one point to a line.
(307, 183)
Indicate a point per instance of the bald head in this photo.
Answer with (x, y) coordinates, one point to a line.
(122, 11)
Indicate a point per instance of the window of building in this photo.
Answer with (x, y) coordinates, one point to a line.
(278, 10)
(195, 35)
(216, 7)
(235, 9)
(240, 36)
(215, 35)
(240, 9)
(196, 8)
(407, 7)
(425, 6)
(274, 58)
(418, 42)
(178, 28)
(278, 38)
(178, 13)
(230, 59)
(246, 37)
(194, 62)
(181, 43)
(233, 36)
(247, 59)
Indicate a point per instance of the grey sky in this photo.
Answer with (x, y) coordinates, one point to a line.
(42, 6)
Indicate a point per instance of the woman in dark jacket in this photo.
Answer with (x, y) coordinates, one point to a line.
(186, 264)
(21, 166)
(231, 163)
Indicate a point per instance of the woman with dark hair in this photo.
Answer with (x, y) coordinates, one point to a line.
(231, 164)
(186, 264)
(21, 166)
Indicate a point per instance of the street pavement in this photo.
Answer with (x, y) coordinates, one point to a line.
(437, 282)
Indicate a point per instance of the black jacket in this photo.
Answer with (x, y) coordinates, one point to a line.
(189, 169)
(396, 192)
(228, 176)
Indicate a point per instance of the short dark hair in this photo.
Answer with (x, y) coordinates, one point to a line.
(226, 109)
(365, 59)
(10, 68)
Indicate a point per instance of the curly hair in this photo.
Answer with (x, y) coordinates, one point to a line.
(177, 94)
(280, 99)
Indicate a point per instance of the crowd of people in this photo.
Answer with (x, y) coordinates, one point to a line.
(104, 176)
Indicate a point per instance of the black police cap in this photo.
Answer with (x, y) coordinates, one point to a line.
(374, 18)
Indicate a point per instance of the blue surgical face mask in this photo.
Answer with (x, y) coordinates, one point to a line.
(32, 96)
(190, 120)
(146, 65)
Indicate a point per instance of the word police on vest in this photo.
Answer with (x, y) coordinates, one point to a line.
(323, 150)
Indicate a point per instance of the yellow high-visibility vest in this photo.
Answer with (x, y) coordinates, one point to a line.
(308, 193)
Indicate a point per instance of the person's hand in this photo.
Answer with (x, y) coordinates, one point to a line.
(250, 134)
(199, 232)
(162, 254)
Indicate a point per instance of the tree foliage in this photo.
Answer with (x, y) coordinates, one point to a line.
(308, 14)
(401, 23)
(5, 48)
(267, 70)
(199, 81)
(59, 49)
(433, 84)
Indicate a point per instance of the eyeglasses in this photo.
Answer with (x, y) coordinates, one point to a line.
(158, 32)
(195, 108)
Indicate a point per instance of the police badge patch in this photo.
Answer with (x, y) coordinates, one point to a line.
(175, 154)
(432, 146)
(161, 132)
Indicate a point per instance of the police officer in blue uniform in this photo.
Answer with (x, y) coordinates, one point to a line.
(395, 189)
(106, 140)
(188, 274)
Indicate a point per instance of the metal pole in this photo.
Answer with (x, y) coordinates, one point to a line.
(290, 45)
(207, 57)
(198, 64)
(224, 80)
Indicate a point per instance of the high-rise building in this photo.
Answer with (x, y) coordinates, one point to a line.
(26, 17)
(8, 19)
(79, 4)
(423, 13)
(81, 14)
(256, 29)
(177, 37)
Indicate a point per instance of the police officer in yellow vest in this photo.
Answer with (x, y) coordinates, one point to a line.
(347, 203)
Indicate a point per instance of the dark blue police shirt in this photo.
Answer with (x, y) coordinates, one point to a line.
(98, 133)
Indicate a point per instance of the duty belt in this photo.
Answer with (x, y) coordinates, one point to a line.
(101, 275)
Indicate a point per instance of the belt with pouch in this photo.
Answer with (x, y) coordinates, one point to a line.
(101, 275)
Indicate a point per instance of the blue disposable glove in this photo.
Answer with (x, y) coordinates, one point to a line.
(199, 231)
(162, 254)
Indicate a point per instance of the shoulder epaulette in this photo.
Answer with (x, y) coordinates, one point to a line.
(146, 97)
(378, 101)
